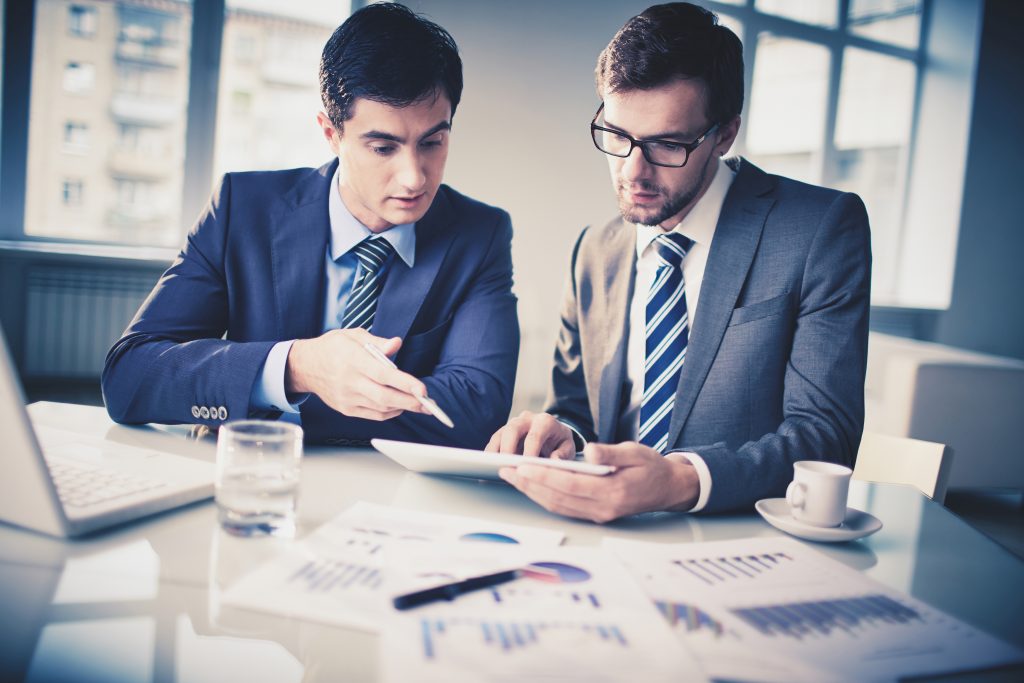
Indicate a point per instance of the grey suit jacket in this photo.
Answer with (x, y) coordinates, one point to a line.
(774, 371)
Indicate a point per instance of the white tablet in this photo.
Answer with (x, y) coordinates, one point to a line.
(462, 462)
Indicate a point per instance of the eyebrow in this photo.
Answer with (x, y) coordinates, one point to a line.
(381, 135)
(679, 135)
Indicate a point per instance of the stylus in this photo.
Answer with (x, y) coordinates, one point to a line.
(425, 401)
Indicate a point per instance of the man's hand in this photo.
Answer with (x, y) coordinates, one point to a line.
(337, 368)
(534, 434)
(644, 481)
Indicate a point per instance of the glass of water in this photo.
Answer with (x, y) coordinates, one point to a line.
(257, 481)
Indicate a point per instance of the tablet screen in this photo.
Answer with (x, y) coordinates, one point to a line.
(464, 462)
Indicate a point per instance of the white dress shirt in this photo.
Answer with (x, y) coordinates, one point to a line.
(698, 225)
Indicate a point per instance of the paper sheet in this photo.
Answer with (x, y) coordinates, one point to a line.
(582, 618)
(775, 609)
(335, 574)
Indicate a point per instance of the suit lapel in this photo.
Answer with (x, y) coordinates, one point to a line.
(732, 251)
(301, 232)
(611, 321)
(405, 288)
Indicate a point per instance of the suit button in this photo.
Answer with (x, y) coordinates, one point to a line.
(195, 411)
(204, 413)
(222, 413)
(213, 412)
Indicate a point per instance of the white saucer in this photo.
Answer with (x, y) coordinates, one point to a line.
(856, 525)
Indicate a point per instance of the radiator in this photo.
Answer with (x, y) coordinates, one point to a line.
(74, 315)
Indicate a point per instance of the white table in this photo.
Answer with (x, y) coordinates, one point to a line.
(141, 602)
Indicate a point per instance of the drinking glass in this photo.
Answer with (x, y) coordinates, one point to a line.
(257, 479)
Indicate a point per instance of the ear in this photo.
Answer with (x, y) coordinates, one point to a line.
(331, 134)
(725, 136)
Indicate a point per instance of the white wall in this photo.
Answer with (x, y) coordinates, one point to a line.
(521, 141)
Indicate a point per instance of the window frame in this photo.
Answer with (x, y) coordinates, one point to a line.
(938, 17)
(208, 18)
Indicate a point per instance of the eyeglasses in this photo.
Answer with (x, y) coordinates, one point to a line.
(671, 153)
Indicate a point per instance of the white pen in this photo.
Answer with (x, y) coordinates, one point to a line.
(425, 401)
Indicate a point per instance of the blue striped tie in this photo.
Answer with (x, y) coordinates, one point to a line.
(667, 332)
(372, 253)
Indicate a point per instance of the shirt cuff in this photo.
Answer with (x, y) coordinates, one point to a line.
(703, 477)
(268, 393)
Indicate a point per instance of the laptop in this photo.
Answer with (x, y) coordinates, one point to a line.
(65, 483)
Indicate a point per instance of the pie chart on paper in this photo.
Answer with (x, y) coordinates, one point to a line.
(555, 572)
(488, 537)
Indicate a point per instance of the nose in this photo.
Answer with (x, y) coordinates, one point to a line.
(634, 167)
(412, 175)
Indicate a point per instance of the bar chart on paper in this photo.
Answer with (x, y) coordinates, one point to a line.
(689, 618)
(713, 571)
(775, 597)
(324, 575)
(510, 637)
(573, 614)
(822, 618)
(444, 648)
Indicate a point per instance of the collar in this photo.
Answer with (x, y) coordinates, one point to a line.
(700, 223)
(347, 231)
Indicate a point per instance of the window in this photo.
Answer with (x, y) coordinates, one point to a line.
(79, 78)
(241, 103)
(76, 137)
(131, 85)
(82, 21)
(71, 193)
(820, 12)
(832, 101)
(891, 21)
(269, 87)
(871, 96)
(787, 106)
(120, 103)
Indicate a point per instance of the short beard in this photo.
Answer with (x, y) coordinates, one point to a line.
(671, 207)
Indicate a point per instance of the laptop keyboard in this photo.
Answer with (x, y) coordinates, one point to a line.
(83, 485)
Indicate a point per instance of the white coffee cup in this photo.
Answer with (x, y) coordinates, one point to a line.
(817, 494)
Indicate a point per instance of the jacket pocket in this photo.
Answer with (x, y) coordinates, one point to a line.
(760, 309)
(423, 349)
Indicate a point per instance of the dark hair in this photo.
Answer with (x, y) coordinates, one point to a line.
(673, 41)
(387, 53)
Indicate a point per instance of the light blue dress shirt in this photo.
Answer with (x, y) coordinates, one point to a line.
(342, 266)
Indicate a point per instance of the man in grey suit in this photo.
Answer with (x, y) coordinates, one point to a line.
(714, 334)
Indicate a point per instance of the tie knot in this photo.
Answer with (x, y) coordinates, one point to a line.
(672, 247)
(373, 252)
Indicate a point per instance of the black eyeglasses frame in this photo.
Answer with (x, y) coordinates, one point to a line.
(688, 147)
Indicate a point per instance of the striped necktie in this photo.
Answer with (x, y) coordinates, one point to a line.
(667, 325)
(372, 253)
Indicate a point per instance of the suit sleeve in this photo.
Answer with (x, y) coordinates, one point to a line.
(172, 357)
(476, 373)
(823, 401)
(474, 377)
(567, 398)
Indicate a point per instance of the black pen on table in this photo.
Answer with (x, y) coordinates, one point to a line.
(450, 591)
(425, 401)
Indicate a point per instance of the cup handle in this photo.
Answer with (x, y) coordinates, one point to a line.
(796, 495)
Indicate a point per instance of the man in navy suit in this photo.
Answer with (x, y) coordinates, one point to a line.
(288, 275)
(716, 332)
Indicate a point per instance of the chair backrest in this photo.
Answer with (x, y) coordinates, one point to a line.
(899, 460)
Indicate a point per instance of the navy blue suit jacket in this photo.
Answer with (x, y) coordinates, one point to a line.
(252, 273)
